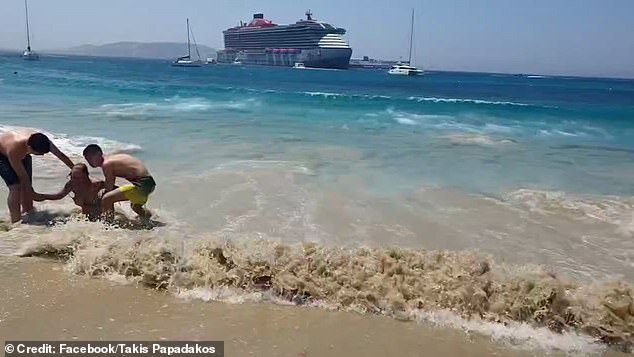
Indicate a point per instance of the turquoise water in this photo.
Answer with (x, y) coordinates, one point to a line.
(481, 133)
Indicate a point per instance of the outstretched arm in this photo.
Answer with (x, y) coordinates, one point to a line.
(108, 173)
(60, 155)
(53, 197)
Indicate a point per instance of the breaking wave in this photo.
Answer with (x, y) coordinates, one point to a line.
(172, 105)
(74, 144)
(463, 100)
(476, 139)
(387, 98)
(475, 124)
(606, 209)
(446, 122)
(380, 97)
(328, 95)
(453, 288)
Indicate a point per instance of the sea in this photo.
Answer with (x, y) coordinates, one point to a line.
(497, 204)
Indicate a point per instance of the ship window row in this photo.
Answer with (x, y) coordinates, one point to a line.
(283, 40)
(281, 36)
(271, 43)
(290, 41)
(259, 31)
(288, 46)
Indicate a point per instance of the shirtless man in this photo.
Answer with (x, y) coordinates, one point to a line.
(86, 192)
(16, 167)
(129, 168)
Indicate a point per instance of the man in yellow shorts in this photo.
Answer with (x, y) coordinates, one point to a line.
(129, 168)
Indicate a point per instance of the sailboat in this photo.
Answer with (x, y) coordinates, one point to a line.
(28, 53)
(407, 69)
(186, 61)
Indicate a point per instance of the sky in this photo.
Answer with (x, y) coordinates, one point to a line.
(567, 37)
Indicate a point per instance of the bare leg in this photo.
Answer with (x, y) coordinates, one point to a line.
(13, 201)
(27, 205)
(143, 213)
(109, 199)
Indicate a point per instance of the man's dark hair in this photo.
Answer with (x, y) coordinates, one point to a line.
(39, 143)
(92, 149)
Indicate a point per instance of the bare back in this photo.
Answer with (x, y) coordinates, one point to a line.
(125, 166)
(14, 144)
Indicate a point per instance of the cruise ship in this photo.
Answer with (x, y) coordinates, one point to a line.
(262, 42)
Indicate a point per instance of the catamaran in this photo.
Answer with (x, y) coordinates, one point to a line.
(186, 61)
(407, 69)
(28, 53)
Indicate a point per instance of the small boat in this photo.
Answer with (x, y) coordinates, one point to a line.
(407, 69)
(404, 70)
(186, 61)
(299, 65)
(211, 61)
(237, 62)
(28, 54)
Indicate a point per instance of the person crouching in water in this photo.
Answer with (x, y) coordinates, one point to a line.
(124, 166)
(85, 191)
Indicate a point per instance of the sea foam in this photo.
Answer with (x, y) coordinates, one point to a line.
(75, 144)
(463, 289)
(606, 209)
(172, 105)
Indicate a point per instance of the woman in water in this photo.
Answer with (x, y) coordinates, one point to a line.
(86, 192)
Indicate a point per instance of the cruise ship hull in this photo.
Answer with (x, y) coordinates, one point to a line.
(338, 58)
(261, 42)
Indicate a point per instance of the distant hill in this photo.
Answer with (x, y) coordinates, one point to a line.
(162, 50)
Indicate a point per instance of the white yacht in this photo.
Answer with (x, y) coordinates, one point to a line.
(401, 69)
(299, 65)
(186, 61)
(404, 70)
(28, 54)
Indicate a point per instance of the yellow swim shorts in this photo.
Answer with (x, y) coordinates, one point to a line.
(139, 191)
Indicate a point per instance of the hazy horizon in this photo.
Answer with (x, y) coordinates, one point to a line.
(564, 37)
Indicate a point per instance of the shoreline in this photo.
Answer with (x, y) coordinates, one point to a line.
(67, 307)
(43, 301)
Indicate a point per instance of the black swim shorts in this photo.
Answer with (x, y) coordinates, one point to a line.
(9, 175)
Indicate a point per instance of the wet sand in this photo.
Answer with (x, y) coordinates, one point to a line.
(42, 301)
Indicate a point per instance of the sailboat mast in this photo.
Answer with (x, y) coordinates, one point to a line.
(189, 55)
(195, 44)
(28, 36)
(411, 39)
